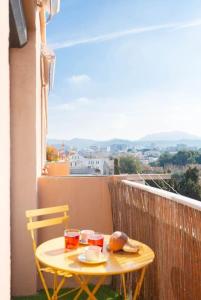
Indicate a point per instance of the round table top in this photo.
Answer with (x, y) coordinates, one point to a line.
(53, 254)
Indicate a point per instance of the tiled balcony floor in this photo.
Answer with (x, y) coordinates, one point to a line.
(105, 293)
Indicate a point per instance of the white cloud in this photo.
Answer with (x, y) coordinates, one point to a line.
(79, 79)
(83, 101)
(72, 105)
(120, 34)
(127, 117)
(118, 120)
(62, 107)
(193, 23)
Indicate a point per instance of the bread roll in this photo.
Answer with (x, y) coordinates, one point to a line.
(117, 240)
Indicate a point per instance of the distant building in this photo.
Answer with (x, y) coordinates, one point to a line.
(94, 148)
(77, 161)
(118, 147)
(85, 165)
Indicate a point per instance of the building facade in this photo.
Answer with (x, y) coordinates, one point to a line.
(25, 78)
(99, 166)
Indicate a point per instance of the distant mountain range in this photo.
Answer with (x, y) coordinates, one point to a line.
(170, 136)
(162, 139)
(83, 143)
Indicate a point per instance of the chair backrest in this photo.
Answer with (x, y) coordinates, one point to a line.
(34, 224)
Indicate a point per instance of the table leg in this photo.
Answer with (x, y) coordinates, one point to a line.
(124, 285)
(139, 284)
(57, 289)
(80, 290)
(97, 286)
(84, 286)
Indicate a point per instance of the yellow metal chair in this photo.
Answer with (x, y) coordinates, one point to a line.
(33, 225)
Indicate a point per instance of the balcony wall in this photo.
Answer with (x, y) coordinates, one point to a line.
(171, 225)
(5, 153)
(88, 199)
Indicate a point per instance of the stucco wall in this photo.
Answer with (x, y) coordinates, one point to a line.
(58, 168)
(5, 155)
(88, 199)
(25, 155)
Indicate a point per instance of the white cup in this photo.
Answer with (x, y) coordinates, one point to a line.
(92, 253)
(84, 235)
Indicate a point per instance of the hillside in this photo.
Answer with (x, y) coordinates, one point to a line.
(169, 136)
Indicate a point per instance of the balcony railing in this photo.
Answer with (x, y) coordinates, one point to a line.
(171, 225)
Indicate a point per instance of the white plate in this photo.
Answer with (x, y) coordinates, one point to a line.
(102, 259)
(83, 242)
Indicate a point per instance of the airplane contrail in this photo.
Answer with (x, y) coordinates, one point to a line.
(120, 34)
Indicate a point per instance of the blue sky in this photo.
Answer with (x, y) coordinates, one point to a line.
(125, 68)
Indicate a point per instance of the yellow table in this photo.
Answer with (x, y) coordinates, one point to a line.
(53, 254)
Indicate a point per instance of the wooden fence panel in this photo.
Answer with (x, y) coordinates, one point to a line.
(172, 230)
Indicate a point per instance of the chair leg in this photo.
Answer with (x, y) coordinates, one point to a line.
(43, 280)
(54, 296)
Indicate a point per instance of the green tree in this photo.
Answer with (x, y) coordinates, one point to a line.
(165, 159)
(186, 184)
(97, 170)
(129, 164)
(198, 158)
(130, 150)
(181, 158)
(52, 153)
(157, 184)
(116, 167)
(189, 185)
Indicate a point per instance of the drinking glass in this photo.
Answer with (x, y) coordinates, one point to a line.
(84, 235)
(72, 237)
(96, 239)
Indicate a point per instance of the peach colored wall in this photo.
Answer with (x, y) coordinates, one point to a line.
(38, 99)
(88, 199)
(5, 154)
(25, 154)
(58, 168)
(44, 125)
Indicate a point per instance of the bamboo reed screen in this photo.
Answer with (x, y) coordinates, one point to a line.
(172, 230)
